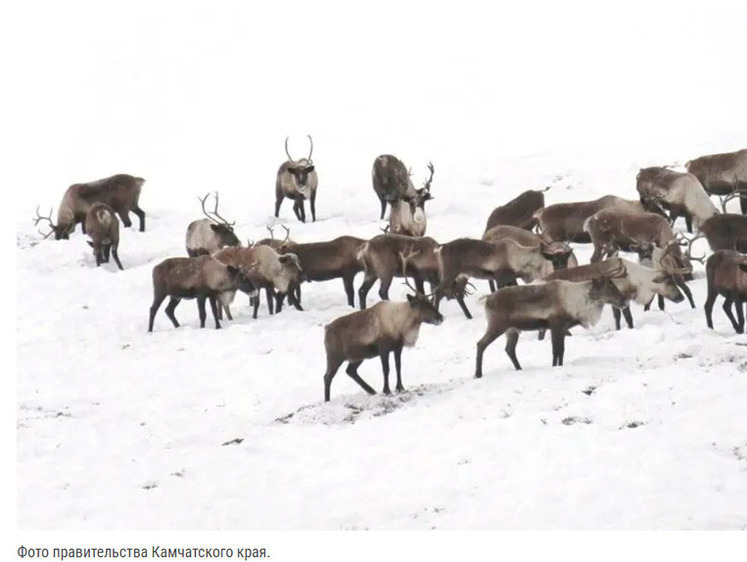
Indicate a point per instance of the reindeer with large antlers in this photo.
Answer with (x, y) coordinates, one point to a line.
(384, 328)
(208, 235)
(408, 212)
(297, 180)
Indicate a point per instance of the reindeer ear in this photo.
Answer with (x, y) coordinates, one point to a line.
(743, 267)
(410, 299)
(233, 270)
(214, 227)
(90, 243)
(310, 169)
(285, 258)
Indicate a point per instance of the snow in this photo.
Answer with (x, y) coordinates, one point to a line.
(204, 429)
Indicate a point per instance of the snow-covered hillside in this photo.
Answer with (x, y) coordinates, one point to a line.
(191, 428)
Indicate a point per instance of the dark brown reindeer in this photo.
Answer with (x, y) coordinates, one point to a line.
(383, 329)
(725, 232)
(680, 193)
(722, 174)
(408, 212)
(297, 180)
(102, 226)
(519, 211)
(391, 181)
(267, 269)
(564, 222)
(121, 192)
(560, 254)
(208, 235)
(726, 274)
(556, 306)
(382, 259)
(202, 278)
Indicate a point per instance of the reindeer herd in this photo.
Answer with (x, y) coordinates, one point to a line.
(523, 240)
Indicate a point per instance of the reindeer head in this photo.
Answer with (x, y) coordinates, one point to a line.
(300, 169)
(60, 231)
(604, 288)
(220, 226)
(244, 284)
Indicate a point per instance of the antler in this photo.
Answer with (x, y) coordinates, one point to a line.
(427, 184)
(685, 241)
(735, 192)
(311, 148)
(48, 219)
(287, 234)
(286, 150)
(215, 211)
(616, 272)
(667, 258)
(411, 252)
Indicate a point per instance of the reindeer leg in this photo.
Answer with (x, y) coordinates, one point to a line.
(490, 336)
(347, 282)
(385, 283)
(214, 309)
(125, 214)
(384, 356)
(398, 367)
(157, 300)
(491, 283)
(201, 310)
(628, 316)
(541, 334)
(597, 255)
(116, 259)
(727, 309)
(278, 202)
(739, 305)
(368, 282)
(140, 215)
(689, 223)
(708, 307)
(293, 299)
(269, 294)
(352, 372)
(557, 335)
(463, 306)
(254, 301)
(680, 282)
(170, 308)
(616, 315)
(333, 365)
(512, 338)
(312, 204)
(660, 302)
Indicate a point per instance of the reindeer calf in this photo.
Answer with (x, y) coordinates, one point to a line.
(102, 226)
(202, 278)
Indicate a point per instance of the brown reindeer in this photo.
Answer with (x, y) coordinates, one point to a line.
(681, 193)
(384, 328)
(555, 305)
(726, 274)
(519, 211)
(503, 261)
(408, 212)
(297, 180)
(391, 181)
(208, 235)
(722, 174)
(267, 270)
(121, 192)
(203, 278)
(725, 232)
(102, 226)
(382, 259)
(565, 221)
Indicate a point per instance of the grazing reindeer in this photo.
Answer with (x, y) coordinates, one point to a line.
(382, 259)
(636, 282)
(408, 213)
(722, 174)
(203, 278)
(519, 211)
(556, 305)
(205, 236)
(391, 181)
(559, 253)
(121, 192)
(267, 270)
(726, 273)
(297, 180)
(681, 193)
(565, 221)
(384, 328)
(725, 232)
(503, 261)
(102, 226)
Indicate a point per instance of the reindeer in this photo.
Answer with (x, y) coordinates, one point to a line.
(636, 282)
(519, 211)
(208, 235)
(722, 174)
(726, 274)
(121, 192)
(408, 213)
(384, 328)
(565, 221)
(391, 181)
(297, 180)
(555, 305)
(725, 232)
(267, 270)
(503, 261)
(681, 193)
(102, 226)
(203, 278)
(324, 261)
(382, 257)
(559, 253)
